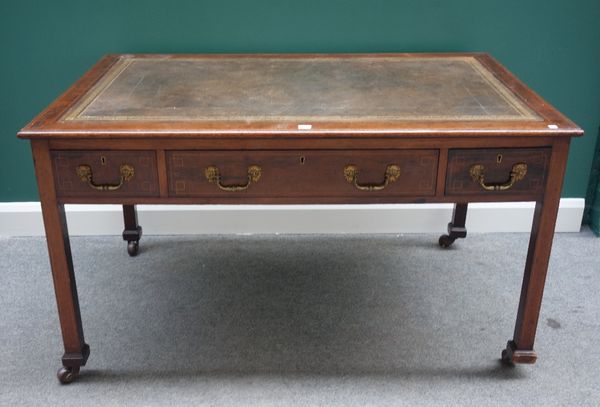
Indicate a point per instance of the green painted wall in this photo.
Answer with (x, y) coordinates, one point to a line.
(553, 45)
(592, 200)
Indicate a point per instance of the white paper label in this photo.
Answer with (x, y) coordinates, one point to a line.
(304, 126)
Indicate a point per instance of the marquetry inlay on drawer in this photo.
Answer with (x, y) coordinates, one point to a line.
(94, 173)
(497, 171)
(325, 173)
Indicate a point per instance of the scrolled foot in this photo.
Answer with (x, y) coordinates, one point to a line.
(67, 375)
(446, 241)
(512, 355)
(133, 247)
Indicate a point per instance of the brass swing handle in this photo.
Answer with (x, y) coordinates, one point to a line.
(517, 173)
(214, 176)
(84, 172)
(392, 173)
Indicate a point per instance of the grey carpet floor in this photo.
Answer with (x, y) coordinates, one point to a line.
(377, 320)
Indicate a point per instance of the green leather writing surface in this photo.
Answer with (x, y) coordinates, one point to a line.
(312, 89)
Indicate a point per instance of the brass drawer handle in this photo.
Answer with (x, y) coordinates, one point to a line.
(392, 172)
(214, 176)
(516, 174)
(84, 172)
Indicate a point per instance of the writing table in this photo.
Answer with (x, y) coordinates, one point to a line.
(298, 129)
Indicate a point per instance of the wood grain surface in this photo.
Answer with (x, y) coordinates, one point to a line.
(302, 174)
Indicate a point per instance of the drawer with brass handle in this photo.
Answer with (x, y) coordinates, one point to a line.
(497, 171)
(324, 173)
(105, 173)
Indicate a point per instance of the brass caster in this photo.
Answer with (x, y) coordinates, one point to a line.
(446, 241)
(67, 375)
(133, 247)
(506, 358)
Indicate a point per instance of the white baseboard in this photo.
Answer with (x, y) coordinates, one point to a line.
(24, 218)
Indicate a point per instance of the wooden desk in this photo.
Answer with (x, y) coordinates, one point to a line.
(318, 129)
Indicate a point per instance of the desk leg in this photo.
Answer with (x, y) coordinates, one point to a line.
(456, 228)
(520, 348)
(133, 231)
(59, 250)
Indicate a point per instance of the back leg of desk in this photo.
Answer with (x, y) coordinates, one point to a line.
(456, 228)
(133, 232)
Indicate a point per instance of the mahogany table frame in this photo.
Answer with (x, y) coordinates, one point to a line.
(47, 133)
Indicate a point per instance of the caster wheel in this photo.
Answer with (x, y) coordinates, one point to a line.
(67, 375)
(506, 358)
(446, 241)
(133, 247)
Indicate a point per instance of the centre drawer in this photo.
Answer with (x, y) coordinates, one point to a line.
(330, 173)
